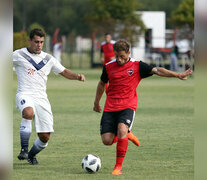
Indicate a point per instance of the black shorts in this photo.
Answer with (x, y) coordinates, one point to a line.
(110, 120)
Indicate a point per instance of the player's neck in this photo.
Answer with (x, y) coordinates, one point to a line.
(30, 50)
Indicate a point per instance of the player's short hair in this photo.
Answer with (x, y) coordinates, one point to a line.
(107, 34)
(122, 45)
(37, 32)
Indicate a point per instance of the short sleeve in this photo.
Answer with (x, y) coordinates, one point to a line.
(104, 75)
(15, 58)
(145, 70)
(57, 67)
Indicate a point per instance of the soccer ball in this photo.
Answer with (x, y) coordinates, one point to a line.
(91, 163)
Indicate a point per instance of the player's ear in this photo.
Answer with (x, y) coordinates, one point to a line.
(128, 52)
(29, 41)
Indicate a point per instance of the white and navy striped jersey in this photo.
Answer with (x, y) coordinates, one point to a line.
(32, 71)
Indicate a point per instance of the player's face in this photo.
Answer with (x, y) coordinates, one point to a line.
(36, 44)
(122, 57)
(108, 38)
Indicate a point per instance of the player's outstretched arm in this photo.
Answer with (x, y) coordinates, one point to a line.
(71, 75)
(167, 73)
(99, 92)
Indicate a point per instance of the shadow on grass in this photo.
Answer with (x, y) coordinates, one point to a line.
(21, 165)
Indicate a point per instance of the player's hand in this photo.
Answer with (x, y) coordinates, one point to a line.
(97, 107)
(81, 77)
(183, 76)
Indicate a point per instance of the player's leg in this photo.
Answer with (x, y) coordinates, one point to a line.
(121, 147)
(108, 128)
(25, 131)
(44, 127)
(125, 121)
(40, 143)
(25, 106)
(108, 138)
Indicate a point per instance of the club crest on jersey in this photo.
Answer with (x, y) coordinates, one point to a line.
(130, 72)
(22, 101)
(45, 61)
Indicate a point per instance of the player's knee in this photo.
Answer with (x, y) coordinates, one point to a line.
(44, 137)
(107, 141)
(28, 113)
(122, 133)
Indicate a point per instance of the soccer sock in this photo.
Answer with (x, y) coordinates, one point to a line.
(25, 132)
(121, 149)
(115, 139)
(37, 147)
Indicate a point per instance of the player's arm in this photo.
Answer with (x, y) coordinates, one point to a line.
(100, 89)
(73, 76)
(167, 73)
(99, 92)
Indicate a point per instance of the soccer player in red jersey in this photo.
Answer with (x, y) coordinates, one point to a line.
(107, 50)
(123, 74)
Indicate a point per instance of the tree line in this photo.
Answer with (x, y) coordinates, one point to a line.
(85, 17)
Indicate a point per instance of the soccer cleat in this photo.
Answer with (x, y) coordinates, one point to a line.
(133, 138)
(116, 171)
(23, 154)
(32, 160)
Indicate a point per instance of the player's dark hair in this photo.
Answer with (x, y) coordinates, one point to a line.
(107, 34)
(37, 32)
(122, 45)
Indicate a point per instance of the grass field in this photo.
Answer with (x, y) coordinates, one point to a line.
(163, 123)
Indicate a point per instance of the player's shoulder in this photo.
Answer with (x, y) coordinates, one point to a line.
(133, 60)
(17, 52)
(112, 42)
(110, 62)
(103, 43)
(47, 54)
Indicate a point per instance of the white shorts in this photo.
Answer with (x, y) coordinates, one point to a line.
(43, 118)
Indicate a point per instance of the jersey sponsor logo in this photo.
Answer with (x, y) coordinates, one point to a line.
(31, 71)
(130, 72)
(22, 101)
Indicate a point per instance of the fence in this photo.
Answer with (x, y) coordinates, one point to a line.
(79, 53)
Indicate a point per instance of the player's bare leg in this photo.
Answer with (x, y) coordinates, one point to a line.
(108, 138)
(25, 131)
(40, 143)
(121, 147)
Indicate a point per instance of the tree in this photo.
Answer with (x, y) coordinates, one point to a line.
(117, 16)
(68, 15)
(184, 15)
(160, 5)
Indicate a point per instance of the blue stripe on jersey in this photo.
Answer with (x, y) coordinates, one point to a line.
(38, 66)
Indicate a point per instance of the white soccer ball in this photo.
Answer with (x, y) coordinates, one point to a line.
(91, 163)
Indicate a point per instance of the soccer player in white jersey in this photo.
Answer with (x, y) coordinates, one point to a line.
(32, 67)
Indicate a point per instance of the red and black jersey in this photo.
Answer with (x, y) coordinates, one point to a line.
(123, 82)
(108, 50)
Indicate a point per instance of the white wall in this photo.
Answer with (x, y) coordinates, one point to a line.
(155, 20)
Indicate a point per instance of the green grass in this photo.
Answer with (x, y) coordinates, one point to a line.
(163, 123)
